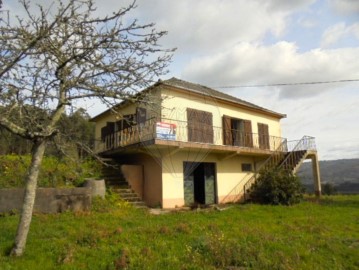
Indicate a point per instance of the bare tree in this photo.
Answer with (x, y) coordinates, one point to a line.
(55, 56)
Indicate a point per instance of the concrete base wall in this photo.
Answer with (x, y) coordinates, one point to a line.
(48, 200)
(134, 176)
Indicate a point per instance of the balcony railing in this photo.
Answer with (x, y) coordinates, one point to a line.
(182, 131)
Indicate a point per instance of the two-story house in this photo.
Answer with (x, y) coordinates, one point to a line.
(182, 143)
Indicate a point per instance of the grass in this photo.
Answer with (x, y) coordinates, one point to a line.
(312, 235)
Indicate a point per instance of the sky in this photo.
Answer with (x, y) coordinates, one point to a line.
(239, 43)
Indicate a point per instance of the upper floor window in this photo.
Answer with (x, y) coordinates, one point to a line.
(237, 132)
(200, 126)
(263, 136)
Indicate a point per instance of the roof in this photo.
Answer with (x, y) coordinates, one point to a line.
(204, 90)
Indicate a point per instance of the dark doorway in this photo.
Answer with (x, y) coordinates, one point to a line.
(199, 182)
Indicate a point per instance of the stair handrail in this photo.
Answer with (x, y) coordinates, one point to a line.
(282, 148)
(304, 144)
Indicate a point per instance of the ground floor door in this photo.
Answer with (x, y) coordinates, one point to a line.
(199, 182)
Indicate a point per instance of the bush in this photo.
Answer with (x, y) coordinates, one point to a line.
(277, 187)
(329, 189)
(54, 172)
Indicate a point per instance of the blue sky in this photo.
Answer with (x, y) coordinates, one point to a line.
(246, 42)
(249, 42)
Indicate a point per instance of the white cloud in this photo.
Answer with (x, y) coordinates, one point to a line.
(346, 6)
(248, 64)
(339, 31)
(204, 26)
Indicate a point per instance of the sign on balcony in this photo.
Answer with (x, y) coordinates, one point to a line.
(165, 131)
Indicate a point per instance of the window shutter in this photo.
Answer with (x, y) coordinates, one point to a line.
(227, 133)
(199, 126)
(263, 133)
(208, 127)
(140, 115)
(248, 136)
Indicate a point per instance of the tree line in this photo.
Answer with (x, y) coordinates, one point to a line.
(77, 136)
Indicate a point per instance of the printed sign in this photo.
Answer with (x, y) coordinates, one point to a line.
(165, 131)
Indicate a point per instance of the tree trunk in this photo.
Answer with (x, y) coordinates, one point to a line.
(29, 198)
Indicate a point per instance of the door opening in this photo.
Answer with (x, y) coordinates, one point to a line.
(199, 182)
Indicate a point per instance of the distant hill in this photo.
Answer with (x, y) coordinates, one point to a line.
(342, 173)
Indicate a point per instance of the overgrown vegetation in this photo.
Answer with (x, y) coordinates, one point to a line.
(310, 235)
(329, 189)
(277, 186)
(55, 172)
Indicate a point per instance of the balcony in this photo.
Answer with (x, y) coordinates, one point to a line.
(181, 133)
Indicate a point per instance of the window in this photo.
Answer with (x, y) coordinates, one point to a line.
(263, 136)
(200, 126)
(246, 167)
(107, 130)
(141, 115)
(237, 132)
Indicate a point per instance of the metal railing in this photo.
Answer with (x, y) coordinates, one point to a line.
(185, 132)
(295, 151)
(246, 182)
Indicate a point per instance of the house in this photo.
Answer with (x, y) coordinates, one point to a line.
(185, 143)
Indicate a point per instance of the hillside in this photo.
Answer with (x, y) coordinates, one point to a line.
(343, 173)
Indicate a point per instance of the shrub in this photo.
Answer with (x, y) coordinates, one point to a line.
(277, 186)
(329, 189)
(55, 172)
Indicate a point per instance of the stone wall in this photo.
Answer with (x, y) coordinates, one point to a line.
(48, 200)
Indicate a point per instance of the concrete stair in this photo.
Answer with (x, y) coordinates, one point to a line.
(115, 180)
(293, 160)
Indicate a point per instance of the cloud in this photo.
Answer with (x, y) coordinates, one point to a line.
(248, 64)
(205, 26)
(346, 6)
(339, 31)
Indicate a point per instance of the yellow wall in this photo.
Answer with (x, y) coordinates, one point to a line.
(229, 176)
(175, 104)
(151, 175)
(134, 177)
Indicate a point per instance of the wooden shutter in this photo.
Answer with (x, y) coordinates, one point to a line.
(103, 133)
(128, 120)
(248, 136)
(109, 129)
(263, 134)
(199, 126)
(191, 124)
(141, 115)
(207, 127)
(227, 133)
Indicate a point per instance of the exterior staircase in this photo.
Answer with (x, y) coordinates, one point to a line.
(289, 155)
(115, 180)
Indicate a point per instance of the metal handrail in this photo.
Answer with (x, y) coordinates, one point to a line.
(303, 145)
(147, 131)
(252, 177)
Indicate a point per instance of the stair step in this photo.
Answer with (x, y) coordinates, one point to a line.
(137, 204)
(120, 190)
(129, 195)
(117, 182)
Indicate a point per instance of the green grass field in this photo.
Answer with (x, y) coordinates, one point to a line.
(311, 235)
